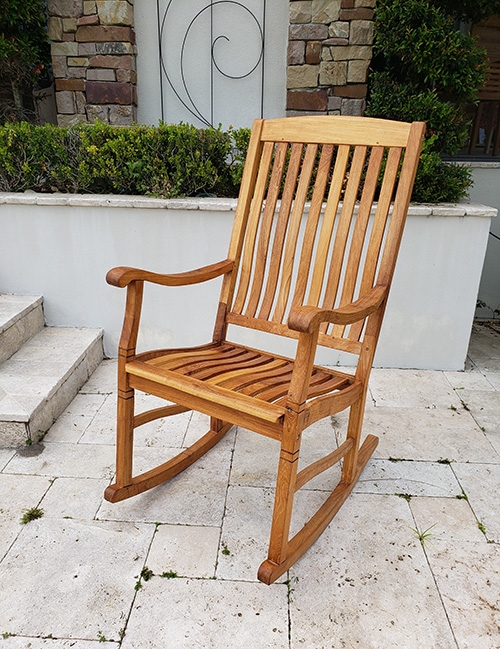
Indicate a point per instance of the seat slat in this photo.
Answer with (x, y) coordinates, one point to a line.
(206, 392)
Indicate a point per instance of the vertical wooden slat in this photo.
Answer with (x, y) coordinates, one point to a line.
(265, 229)
(327, 227)
(252, 227)
(312, 223)
(378, 230)
(401, 202)
(281, 230)
(248, 180)
(293, 231)
(342, 234)
(380, 219)
(360, 231)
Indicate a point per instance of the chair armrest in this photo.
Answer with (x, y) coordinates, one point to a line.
(123, 275)
(308, 318)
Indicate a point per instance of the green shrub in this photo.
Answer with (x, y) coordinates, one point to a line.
(425, 69)
(166, 161)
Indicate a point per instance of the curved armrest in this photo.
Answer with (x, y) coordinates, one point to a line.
(123, 275)
(308, 318)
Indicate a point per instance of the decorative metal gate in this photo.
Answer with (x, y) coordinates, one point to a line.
(212, 60)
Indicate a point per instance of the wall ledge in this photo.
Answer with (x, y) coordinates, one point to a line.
(209, 204)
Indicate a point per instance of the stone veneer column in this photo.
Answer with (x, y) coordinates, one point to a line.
(94, 60)
(329, 51)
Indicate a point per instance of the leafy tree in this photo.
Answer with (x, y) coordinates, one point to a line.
(24, 55)
(474, 11)
(425, 69)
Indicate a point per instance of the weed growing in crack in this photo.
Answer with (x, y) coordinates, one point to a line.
(169, 574)
(31, 515)
(423, 535)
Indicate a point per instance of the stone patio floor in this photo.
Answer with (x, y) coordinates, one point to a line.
(72, 578)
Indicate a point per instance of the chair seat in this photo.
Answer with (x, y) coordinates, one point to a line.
(232, 376)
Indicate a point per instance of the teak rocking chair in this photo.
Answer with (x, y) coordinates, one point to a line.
(320, 275)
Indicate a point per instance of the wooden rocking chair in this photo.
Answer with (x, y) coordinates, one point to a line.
(318, 274)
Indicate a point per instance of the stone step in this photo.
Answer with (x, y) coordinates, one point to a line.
(39, 380)
(21, 317)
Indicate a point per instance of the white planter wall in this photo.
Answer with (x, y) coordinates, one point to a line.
(61, 246)
(486, 188)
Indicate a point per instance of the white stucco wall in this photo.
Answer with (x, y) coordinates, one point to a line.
(486, 189)
(61, 246)
(236, 102)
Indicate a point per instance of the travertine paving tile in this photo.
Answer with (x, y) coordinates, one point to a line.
(255, 458)
(199, 424)
(480, 482)
(103, 380)
(78, 498)
(85, 596)
(187, 550)
(6, 454)
(412, 389)
(447, 519)
(17, 494)
(245, 532)
(484, 342)
(64, 460)
(162, 432)
(430, 435)
(485, 408)
(18, 642)
(365, 583)
(468, 578)
(195, 497)
(493, 378)
(468, 381)
(75, 420)
(408, 478)
(208, 614)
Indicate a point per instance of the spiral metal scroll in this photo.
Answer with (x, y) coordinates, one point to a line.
(184, 94)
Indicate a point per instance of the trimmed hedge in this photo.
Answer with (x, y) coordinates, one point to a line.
(165, 161)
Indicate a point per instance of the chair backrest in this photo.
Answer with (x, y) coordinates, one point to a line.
(306, 229)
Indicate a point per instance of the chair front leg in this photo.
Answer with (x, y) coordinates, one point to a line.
(124, 437)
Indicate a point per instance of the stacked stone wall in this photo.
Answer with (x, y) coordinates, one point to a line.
(329, 52)
(93, 60)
